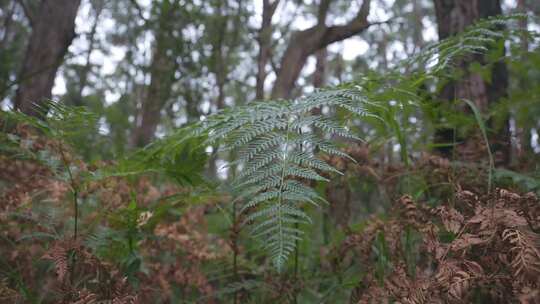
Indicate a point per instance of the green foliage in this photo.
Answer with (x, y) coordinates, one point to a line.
(480, 38)
(61, 122)
(526, 182)
(276, 144)
(482, 126)
(177, 156)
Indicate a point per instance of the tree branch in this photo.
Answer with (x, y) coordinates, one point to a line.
(139, 10)
(271, 6)
(305, 43)
(357, 25)
(324, 6)
(265, 41)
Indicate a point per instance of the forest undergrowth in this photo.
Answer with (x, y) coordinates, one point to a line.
(131, 247)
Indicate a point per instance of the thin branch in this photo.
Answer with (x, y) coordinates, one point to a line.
(357, 25)
(324, 6)
(27, 12)
(139, 10)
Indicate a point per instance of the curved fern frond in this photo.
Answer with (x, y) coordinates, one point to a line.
(477, 39)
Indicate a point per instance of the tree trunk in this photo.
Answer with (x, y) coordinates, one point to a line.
(453, 17)
(52, 32)
(319, 76)
(83, 80)
(265, 45)
(418, 26)
(523, 135)
(162, 69)
(307, 42)
(220, 71)
(6, 45)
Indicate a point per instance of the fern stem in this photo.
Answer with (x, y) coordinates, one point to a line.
(74, 190)
(296, 243)
(481, 124)
(280, 197)
(234, 241)
(296, 254)
(280, 223)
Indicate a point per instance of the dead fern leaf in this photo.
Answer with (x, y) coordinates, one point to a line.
(409, 211)
(86, 297)
(529, 295)
(8, 295)
(452, 219)
(458, 277)
(58, 254)
(465, 241)
(525, 251)
(407, 291)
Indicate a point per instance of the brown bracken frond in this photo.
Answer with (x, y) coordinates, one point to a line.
(525, 252)
(59, 254)
(478, 246)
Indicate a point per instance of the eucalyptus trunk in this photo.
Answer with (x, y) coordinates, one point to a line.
(53, 30)
(453, 17)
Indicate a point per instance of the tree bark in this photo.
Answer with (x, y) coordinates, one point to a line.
(319, 76)
(52, 33)
(265, 45)
(453, 17)
(162, 69)
(307, 42)
(6, 45)
(418, 39)
(83, 81)
(523, 135)
(6, 24)
(220, 71)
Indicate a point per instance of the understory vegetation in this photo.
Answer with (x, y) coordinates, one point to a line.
(347, 194)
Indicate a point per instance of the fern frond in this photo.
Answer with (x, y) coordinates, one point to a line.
(526, 253)
(304, 159)
(277, 146)
(477, 39)
(304, 173)
(263, 143)
(59, 121)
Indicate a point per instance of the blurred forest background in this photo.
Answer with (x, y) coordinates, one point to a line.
(106, 196)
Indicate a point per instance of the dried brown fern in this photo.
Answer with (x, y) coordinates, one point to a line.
(493, 253)
(59, 254)
(73, 262)
(7, 294)
(525, 254)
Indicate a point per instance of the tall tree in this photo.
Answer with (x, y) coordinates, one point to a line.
(97, 7)
(224, 37)
(162, 69)
(523, 135)
(53, 30)
(453, 17)
(320, 55)
(307, 42)
(14, 32)
(265, 45)
(418, 40)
